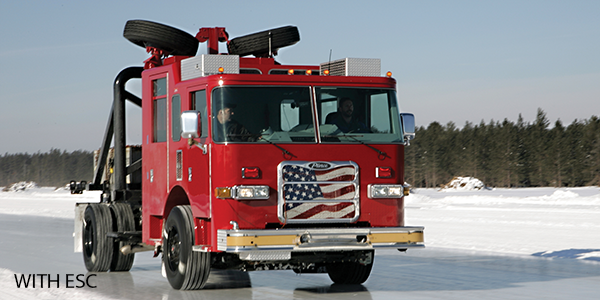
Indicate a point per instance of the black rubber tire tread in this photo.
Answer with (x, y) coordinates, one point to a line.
(123, 220)
(349, 272)
(257, 44)
(197, 264)
(97, 255)
(146, 33)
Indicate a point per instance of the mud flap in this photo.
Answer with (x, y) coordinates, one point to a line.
(78, 226)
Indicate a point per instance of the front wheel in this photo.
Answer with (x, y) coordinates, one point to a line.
(351, 272)
(185, 269)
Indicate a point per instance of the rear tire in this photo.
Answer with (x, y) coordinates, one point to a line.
(150, 34)
(257, 44)
(123, 220)
(97, 247)
(185, 269)
(350, 272)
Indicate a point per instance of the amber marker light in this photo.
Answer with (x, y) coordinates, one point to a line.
(221, 70)
(388, 74)
(308, 72)
(291, 72)
(223, 192)
(326, 72)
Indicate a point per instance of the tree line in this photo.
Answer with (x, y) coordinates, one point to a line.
(54, 168)
(507, 154)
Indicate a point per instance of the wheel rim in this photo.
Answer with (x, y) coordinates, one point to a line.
(173, 249)
(88, 240)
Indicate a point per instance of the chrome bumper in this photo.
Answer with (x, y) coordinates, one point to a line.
(318, 239)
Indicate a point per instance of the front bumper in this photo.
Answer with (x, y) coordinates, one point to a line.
(317, 239)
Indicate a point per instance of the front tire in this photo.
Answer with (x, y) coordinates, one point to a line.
(97, 246)
(185, 269)
(351, 272)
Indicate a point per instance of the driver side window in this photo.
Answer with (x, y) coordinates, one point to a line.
(199, 104)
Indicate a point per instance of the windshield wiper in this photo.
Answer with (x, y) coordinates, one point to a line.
(283, 151)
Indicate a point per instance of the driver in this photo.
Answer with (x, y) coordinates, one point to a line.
(228, 130)
(345, 119)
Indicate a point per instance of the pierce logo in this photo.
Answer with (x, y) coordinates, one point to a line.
(319, 165)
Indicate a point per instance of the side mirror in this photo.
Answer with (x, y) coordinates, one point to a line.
(191, 124)
(191, 128)
(408, 126)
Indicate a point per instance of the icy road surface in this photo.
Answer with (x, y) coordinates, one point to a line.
(499, 244)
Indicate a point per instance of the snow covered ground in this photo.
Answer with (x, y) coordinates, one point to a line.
(549, 222)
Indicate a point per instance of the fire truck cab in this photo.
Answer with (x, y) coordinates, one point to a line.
(249, 164)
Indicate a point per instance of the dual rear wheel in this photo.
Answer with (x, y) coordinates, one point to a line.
(100, 252)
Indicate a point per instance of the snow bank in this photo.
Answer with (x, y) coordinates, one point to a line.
(20, 186)
(464, 184)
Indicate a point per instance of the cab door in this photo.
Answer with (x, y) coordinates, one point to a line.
(154, 150)
(194, 161)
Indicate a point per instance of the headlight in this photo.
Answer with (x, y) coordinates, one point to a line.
(385, 191)
(247, 192)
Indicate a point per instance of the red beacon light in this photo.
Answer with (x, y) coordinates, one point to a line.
(251, 172)
(383, 172)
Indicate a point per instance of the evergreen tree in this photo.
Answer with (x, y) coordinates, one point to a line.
(539, 143)
(557, 154)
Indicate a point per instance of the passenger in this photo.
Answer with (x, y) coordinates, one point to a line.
(227, 129)
(345, 120)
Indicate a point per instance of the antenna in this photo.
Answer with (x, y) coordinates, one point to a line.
(270, 36)
(329, 63)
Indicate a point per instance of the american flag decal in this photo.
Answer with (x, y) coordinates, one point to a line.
(318, 191)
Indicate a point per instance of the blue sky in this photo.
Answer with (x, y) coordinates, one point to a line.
(454, 60)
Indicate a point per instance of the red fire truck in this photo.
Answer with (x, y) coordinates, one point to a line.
(249, 164)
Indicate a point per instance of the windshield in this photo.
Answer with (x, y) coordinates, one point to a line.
(262, 114)
(285, 115)
(358, 115)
